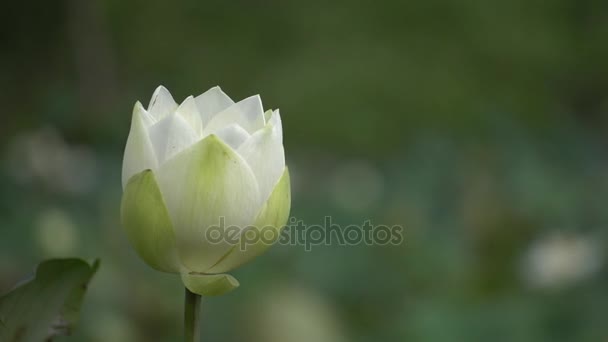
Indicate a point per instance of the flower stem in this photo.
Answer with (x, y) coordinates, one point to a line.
(192, 331)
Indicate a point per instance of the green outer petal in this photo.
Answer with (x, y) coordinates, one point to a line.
(200, 185)
(147, 224)
(274, 215)
(209, 284)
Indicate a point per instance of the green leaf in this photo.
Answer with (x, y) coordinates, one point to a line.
(47, 305)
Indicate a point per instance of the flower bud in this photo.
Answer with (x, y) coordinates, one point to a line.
(208, 163)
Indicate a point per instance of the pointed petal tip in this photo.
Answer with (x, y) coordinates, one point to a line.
(253, 99)
(275, 118)
(161, 88)
(189, 111)
(139, 153)
(161, 97)
(144, 173)
(256, 97)
(138, 106)
(248, 113)
(188, 101)
(212, 138)
(139, 111)
(212, 102)
(216, 90)
(215, 141)
(188, 104)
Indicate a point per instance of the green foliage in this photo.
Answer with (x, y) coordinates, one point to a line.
(48, 305)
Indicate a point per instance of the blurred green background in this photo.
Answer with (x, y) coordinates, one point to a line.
(479, 126)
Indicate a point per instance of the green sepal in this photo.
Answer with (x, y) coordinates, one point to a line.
(209, 284)
(147, 224)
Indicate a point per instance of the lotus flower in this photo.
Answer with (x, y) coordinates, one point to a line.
(190, 166)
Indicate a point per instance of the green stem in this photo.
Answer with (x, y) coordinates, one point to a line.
(192, 309)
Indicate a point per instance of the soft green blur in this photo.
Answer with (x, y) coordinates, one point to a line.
(479, 126)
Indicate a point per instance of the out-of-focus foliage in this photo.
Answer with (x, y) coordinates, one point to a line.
(479, 126)
(47, 305)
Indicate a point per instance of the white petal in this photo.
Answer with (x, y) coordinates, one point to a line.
(146, 118)
(268, 224)
(265, 155)
(190, 114)
(161, 103)
(267, 115)
(207, 182)
(139, 153)
(212, 102)
(233, 135)
(170, 136)
(248, 113)
(275, 121)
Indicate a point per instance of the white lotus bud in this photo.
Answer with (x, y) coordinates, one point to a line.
(208, 162)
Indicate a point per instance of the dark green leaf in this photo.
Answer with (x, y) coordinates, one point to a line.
(47, 305)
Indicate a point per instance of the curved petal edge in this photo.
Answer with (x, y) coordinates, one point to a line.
(209, 284)
(139, 152)
(269, 223)
(146, 221)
